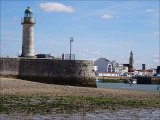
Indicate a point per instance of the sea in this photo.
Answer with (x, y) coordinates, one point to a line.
(128, 86)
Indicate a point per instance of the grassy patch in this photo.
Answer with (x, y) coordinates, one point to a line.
(66, 104)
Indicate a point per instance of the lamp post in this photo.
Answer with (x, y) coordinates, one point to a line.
(71, 40)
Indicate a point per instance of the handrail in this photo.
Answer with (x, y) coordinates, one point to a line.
(28, 20)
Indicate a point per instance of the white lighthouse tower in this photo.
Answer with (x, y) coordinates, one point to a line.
(28, 23)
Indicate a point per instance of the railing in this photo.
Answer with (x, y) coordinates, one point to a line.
(69, 57)
(28, 20)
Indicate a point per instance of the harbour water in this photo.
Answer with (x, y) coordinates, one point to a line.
(124, 86)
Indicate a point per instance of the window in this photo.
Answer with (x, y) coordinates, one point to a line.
(109, 68)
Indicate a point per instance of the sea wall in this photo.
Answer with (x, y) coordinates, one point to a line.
(148, 80)
(9, 66)
(70, 72)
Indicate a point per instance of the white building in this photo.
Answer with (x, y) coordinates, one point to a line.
(108, 68)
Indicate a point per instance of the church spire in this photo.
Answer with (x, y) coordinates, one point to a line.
(131, 54)
(131, 61)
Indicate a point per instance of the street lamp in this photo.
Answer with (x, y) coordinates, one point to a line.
(71, 40)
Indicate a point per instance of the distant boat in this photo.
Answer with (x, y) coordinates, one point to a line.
(97, 80)
(133, 81)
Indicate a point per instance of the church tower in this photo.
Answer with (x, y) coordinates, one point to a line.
(131, 61)
(28, 23)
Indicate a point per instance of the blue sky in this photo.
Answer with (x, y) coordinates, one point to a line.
(101, 28)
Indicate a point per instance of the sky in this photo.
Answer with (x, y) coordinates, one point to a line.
(100, 28)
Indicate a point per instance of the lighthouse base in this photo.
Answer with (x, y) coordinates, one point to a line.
(22, 56)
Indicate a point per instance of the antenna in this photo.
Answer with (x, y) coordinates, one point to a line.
(159, 46)
(71, 40)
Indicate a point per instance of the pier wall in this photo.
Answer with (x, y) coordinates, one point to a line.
(148, 80)
(9, 66)
(69, 72)
(125, 79)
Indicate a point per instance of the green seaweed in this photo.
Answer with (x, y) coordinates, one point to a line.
(67, 104)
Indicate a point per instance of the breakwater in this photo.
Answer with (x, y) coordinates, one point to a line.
(126, 79)
(69, 72)
(148, 80)
(114, 79)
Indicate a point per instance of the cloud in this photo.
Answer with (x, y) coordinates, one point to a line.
(156, 58)
(109, 16)
(87, 54)
(150, 10)
(126, 45)
(156, 33)
(85, 50)
(55, 7)
(96, 53)
(1, 46)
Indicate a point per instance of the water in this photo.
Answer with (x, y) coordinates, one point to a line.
(123, 86)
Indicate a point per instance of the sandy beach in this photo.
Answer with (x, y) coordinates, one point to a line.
(12, 86)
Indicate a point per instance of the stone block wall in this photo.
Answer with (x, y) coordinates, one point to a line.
(70, 72)
(9, 66)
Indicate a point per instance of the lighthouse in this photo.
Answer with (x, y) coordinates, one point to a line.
(28, 23)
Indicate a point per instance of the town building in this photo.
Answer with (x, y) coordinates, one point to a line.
(105, 67)
(125, 68)
(44, 56)
(149, 72)
(158, 70)
(143, 66)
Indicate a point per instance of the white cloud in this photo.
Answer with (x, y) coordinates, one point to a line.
(109, 17)
(156, 58)
(157, 33)
(87, 54)
(96, 53)
(1, 46)
(85, 50)
(126, 45)
(139, 62)
(156, 61)
(55, 7)
(150, 10)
